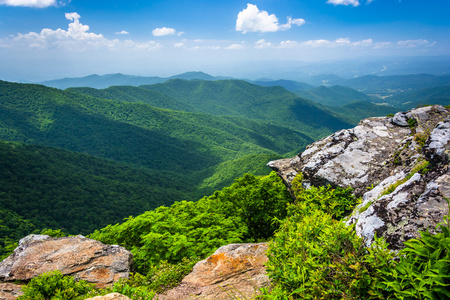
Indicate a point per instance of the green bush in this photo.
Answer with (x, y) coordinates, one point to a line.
(136, 287)
(317, 257)
(243, 212)
(337, 202)
(55, 286)
(167, 275)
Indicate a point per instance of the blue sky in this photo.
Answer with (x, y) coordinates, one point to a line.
(46, 39)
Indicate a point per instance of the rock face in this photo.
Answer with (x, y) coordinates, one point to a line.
(112, 296)
(233, 271)
(383, 153)
(10, 291)
(77, 256)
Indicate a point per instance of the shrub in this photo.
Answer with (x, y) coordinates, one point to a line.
(243, 212)
(136, 287)
(316, 257)
(337, 202)
(54, 285)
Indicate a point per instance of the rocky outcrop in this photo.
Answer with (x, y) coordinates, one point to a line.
(112, 296)
(77, 256)
(10, 291)
(399, 165)
(233, 271)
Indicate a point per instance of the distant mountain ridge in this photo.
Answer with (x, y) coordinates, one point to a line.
(386, 85)
(240, 98)
(334, 96)
(105, 81)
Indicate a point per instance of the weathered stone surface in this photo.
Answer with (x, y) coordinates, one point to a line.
(359, 157)
(78, 256)
(376, 154)
(10, 291)
(112, 296)
(417, 205)
(438, 144)
(400, 119)
(233, 271)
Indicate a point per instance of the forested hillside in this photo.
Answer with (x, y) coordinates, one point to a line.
(334, 96)
(135, 133)
(121, 158)
(243, 99)
(437, 95)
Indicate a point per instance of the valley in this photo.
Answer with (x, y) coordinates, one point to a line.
(173, 161)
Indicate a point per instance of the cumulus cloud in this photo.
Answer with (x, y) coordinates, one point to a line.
(288, 44)
(252, 19)
(261, 44)
(235, 47)
(317, 43)
(205, 48)
(178, 45)
(345, 2)
(76, 38)
(164, 31)
(33, 3)
(122, 32)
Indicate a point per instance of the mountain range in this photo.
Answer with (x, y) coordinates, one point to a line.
(138, 143)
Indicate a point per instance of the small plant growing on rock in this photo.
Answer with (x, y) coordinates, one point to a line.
(423, 271)
(412, 123)
(420, 138)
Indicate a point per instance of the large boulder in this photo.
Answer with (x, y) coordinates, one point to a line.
(77, 256)
(232, 272)
(382, 160)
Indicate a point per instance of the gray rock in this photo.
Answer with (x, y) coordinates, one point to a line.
(416, 205)
(376, 154)
(400, 119)
(112, 296)
(438, 144)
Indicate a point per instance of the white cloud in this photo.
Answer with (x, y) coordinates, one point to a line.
(205, 48)
(415, 43)
(288, 44)
(122, 32)
(379, 45)
(317, 43)
(164, 31)
(34, 3)
(235, 47)
(252, 19)
(178, 45)
(345, 2)
(364, 43)
(261, 44)
(345, 42)
(76, 38)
